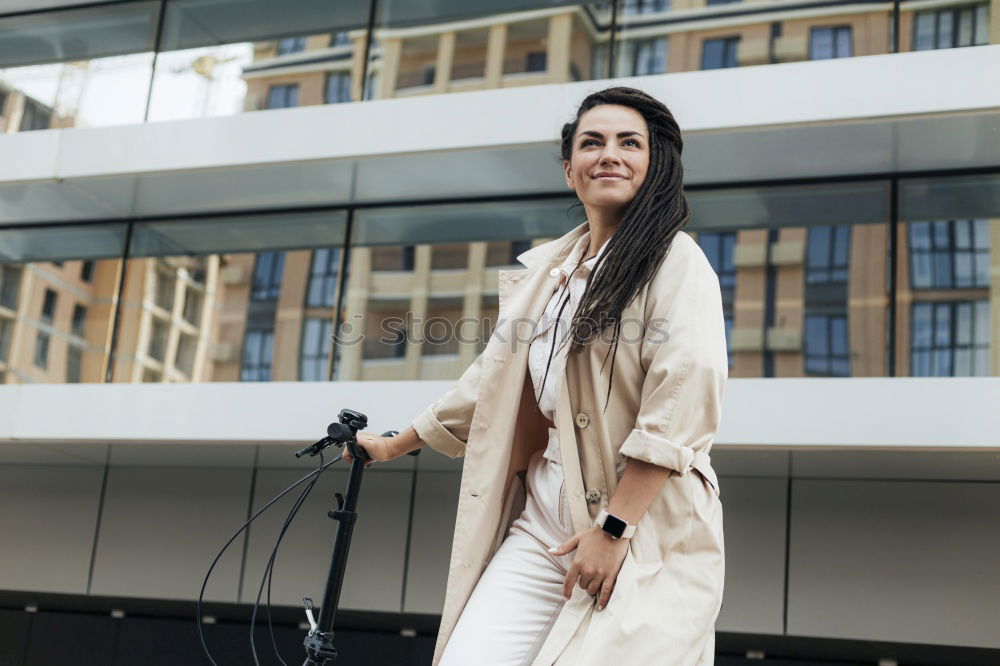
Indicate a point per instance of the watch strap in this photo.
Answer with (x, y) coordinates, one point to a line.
(602, 517)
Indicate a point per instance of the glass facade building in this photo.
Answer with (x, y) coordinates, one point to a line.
(217, 192)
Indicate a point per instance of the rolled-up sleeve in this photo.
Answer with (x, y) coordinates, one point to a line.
(684, 352)
(444, 425)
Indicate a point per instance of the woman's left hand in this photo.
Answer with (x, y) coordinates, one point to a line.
(598, 560)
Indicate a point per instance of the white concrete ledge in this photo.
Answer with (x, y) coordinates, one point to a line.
(862, 413)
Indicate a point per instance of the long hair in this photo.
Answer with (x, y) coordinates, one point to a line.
(650, 222)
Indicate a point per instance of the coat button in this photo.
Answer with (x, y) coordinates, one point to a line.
(554, 272)
(593, 496)
(582, 420)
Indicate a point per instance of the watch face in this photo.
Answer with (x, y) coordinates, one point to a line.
(614, 526)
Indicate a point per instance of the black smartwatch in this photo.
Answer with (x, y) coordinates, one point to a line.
(614, 526)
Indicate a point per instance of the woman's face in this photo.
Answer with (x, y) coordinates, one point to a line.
(610, 157)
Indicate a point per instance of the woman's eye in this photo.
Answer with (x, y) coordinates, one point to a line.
(587, 142)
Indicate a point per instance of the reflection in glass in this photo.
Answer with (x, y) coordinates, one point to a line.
(447, 52)
(223, 57)
(950, 339)
(719, 52)
(315, 349)
(830, 42)
(253, 298)
(57, 288)
(86, 67)
(323, 273)
(801, 269)
(282, 97)
(948, 254)
(951, 27)
(424, 283)
(950, 293)
(718, 249)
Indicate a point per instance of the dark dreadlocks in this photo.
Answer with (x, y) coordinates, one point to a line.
(650, 221)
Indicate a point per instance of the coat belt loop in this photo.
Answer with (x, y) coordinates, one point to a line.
(703, 463)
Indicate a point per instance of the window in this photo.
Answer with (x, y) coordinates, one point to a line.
(187, 345)
(291, 45)
(950, 339)
(826, 350)
(316, 344)
(629, 7)
(450, 256)
(338, 87)
(370, 87)
(323, 278)
(281, 97)
(74, 360)
(949, 254)
(951, 27)
(393, 258)
(57, 264)
(257, 347)
(6, 329)
(535, 61)
(828, 254)
(340, 38)
(830, 42)
(718, 249)
(166, 284)
(387, 335)
(267, 272)
(721, 2)
(427, 73)
(158, 339)
(504, 253)
(42, 350)
(35, 116)
(87, 271)
(49, 306)
(80, 320)
(599, 62)
(10, 284)
(719, 53)
(192, 306)
(644, 56)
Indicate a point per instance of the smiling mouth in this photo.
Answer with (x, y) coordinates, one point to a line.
(609, 177)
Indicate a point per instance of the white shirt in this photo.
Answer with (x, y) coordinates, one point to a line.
(541, 342)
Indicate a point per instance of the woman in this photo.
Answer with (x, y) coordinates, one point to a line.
(611, 410)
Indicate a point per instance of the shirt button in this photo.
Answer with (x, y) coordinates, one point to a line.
(593, 496)
(582, 420)
(554, 272)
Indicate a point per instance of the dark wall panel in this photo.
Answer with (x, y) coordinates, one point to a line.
(57, 639)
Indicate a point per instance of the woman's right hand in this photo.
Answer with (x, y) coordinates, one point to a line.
(378, 448)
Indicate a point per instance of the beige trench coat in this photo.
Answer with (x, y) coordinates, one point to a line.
(664, 408)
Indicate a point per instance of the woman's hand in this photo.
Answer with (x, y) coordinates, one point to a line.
(597, 563)
(378, 448)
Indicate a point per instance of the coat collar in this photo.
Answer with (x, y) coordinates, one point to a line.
(554, 250)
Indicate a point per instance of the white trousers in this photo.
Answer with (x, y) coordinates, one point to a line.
(520, 593)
